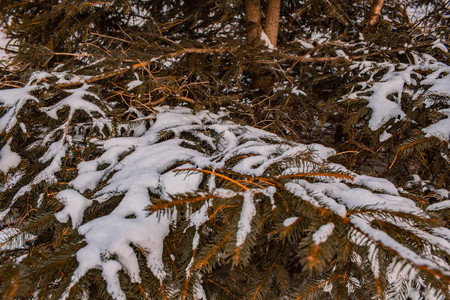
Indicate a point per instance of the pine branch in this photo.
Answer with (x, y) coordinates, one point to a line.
(205, 262)
(336, 175)
(166, 205)
(256, 292)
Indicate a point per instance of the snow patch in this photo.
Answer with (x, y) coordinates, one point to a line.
(75, 204)
(247, 214)
(322, 234)
(266, 41)
(289, 221)
(8, 159)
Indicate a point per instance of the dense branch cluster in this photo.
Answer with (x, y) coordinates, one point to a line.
(174, 149)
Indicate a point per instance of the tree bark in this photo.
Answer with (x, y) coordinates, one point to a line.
(272, 20)
(253, 18)
(375, 12)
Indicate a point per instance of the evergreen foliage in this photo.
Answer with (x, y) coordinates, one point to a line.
(416, 126)
(129, 168)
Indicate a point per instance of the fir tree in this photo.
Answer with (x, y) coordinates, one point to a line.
(129, 169)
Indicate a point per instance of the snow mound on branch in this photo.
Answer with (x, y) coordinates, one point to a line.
(8, 159)
(323, 233)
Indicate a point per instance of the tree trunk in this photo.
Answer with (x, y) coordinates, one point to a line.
(375, 12)
(253, 18)
(272, 20)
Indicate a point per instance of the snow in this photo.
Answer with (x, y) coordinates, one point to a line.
(142, 167)
(74, 208)
(321, 151)
(417, 13)
(440, 129)
(270, 192)
(10, 180)
(304, 44)
(10, 97)
(266, 40)
(84, 183)
(141, 171)
(3, 42)
(439, 86)
(76, 102)
(112, 235)
(247, 214)
(438, 45)
(14, 99)
(300, 192)
(297, 92)
(439, 206)
(199, 292)
(358, 197)
(385, 136)
(443, 193)
(8, 159)
(197, 219)
(110, 271)
(385, 239)
(133, 84)
(321, 192)
(375, 184)
(375, 263)
(289, 221)
(341, 53)
(384, 109)
(322, 234)
(12, 238)
(174, 183)
(55, 153)
(256, 166)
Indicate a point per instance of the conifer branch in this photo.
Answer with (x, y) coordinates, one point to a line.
(200, 264)
(420, 266)
(333, 175)
(268, 272)
(257, 216)
(164, 205)
(317, 286)
(221, 208)
(222, 288)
